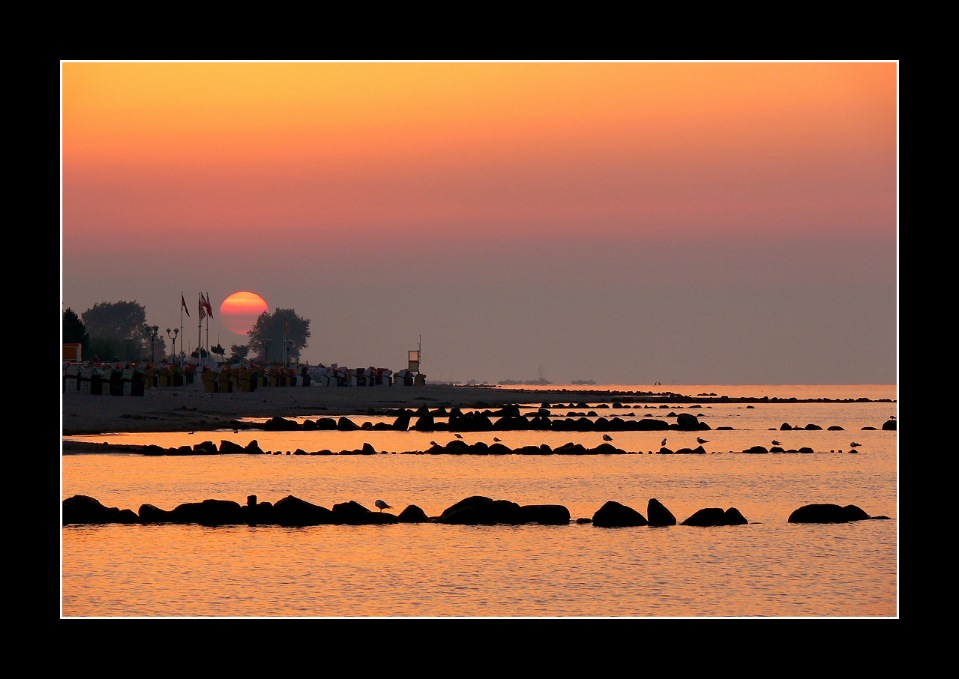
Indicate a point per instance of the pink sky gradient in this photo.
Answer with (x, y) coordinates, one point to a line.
(702, 222)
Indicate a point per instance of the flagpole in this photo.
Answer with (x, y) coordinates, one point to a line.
(176, 359)
(209, 315)
(199, 334)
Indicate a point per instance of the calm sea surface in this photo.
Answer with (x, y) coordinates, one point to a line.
(768, 568)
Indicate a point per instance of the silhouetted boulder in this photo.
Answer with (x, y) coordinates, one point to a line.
(413, 514)
(716, 516)
(230, 448)
(205, 448)
(658, 514)
(889, 425)
(83, 509)
(424, 422)
(152, 514)
(571, 449)
(616, 515)
(292, 511)
(280, 424)
(687, 422)
(208, 513)
(827, 513)
(479, 510)
(548, 515)
(346, 424)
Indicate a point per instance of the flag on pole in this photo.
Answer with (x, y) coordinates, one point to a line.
(183, 304)
(206, 303)
(201, 307)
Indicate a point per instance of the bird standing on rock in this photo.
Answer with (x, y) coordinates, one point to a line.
(382, 505)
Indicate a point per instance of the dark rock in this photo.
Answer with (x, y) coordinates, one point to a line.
(292, 511)
(425, 421)
(280, 424)
(571, 449)
(346, 424)
(413, 514)
(547, 515)
(205, 448)
(687, 422)
(83, 509)
(715, 516)
(230, 448)
(827, 513)
(208, 513)
(658, 514)
(151, 514)
(480, 510)
(616, 515)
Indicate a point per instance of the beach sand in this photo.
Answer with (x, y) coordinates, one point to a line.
(189, 408)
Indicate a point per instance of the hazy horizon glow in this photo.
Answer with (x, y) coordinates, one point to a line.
(718, 222)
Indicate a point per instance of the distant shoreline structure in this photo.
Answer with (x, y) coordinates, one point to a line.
(542, 382)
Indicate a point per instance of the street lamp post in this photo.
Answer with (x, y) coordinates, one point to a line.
(172, 335)
(153, 340)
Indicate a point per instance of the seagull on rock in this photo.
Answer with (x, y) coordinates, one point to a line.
(382, 505)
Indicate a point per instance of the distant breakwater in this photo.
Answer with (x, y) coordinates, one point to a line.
(441, 420)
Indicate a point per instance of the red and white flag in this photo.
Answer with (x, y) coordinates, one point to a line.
(206, 303)
(183, 304)
(201, 306)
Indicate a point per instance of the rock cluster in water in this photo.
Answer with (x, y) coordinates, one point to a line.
(474, 510)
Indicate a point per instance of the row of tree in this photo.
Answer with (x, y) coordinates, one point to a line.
(118, 331)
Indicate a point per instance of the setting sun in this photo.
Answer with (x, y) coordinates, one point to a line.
(240, 310)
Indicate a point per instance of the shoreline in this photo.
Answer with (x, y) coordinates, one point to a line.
(177, 408)
(167, 409)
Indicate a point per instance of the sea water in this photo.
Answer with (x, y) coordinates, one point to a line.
(767, 568)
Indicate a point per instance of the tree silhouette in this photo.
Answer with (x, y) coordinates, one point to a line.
(239, 352)
(120, 330)
(271, 331)
(74, 330)
(219, 351)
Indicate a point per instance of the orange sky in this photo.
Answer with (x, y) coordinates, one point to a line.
(454, 157)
